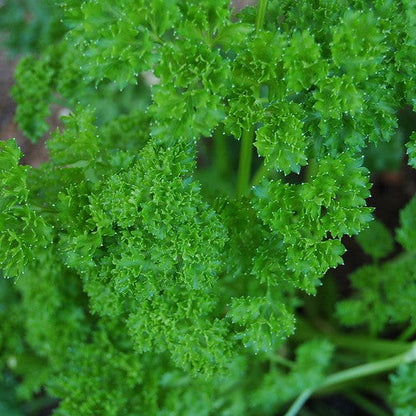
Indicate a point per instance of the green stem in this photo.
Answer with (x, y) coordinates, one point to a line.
(299, 402)
(354, 373)
(352, 342)
(278, 359)
(382, 346)
(408, 333)
(220, 151)
(261, 13)
(43, 210)
(311, 170)
(259, 174)
(244, 168)
(364, 370)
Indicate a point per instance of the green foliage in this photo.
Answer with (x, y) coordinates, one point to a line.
(402, 395)
(312, 361)
(411, 150)
(23, 230)
(376, 240)
(307, 372)
(145, 280)
(310, 233)
(30, 26)
(265, 322)
(281, 140)
(404, 233)
(379, 298)
(8, 405)
(33, 91)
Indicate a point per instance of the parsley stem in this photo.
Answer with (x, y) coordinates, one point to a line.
(261, 13)
(299, 402)
(244, 168)
(357, 342)
(278, 359)
(365, 370)
(352, 342)
(354, 373)
(259, 175)
(408, 333)
(221, 156)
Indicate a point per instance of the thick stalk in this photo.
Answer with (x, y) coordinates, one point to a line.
(354, 373)
(220, 153)
(259, 175)
(299, 402)
(352, 342)
(360, 343)
(244, 168)
(261, 13)
(408, 333)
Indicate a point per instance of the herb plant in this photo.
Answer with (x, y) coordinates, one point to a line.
(168, 258)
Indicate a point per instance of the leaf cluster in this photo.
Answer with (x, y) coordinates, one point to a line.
(144, 283)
